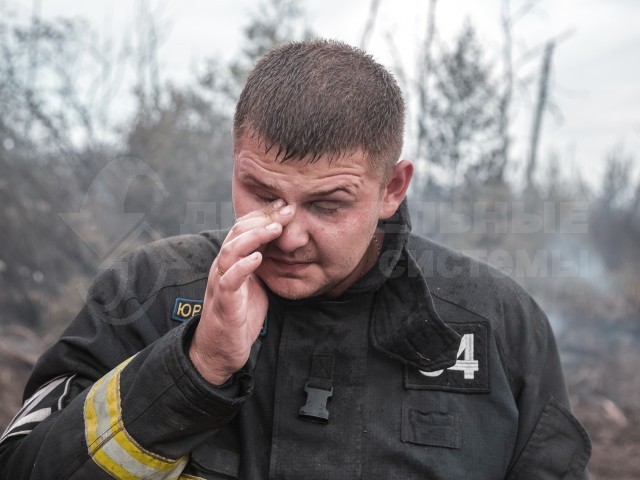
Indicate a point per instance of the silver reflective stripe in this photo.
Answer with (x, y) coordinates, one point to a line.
(25, 415)
(36, 416)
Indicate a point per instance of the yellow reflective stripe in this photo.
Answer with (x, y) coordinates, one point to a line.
(106, 463)
(90, 415)
(110, 445)
(122, 438)
(186, 476)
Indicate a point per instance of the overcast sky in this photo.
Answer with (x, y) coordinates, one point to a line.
(596, 76)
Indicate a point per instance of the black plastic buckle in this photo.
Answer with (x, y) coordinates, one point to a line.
(315, 410)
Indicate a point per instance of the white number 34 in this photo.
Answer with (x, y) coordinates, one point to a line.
(467, 364)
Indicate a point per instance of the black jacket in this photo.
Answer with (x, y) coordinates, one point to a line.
(432, 366)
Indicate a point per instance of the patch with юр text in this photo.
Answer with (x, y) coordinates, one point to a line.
(185, 309)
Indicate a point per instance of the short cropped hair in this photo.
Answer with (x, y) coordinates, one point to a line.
(323, 97)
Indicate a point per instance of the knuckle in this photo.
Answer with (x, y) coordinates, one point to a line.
(224, 285)
(225, 249)
(238, 227)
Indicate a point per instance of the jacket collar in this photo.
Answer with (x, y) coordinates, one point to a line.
(405, 325)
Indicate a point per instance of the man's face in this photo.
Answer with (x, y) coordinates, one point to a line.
(325, 246)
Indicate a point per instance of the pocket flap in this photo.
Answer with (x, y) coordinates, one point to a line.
(436, 429)
(559, 447)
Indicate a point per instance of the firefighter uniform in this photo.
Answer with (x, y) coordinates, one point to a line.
(432, 366)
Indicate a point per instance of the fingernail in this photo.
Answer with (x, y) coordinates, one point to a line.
(272, 226)
(286, 210)
(254, 256)
(278, 203)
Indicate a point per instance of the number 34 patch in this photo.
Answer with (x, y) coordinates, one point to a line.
(470, 374)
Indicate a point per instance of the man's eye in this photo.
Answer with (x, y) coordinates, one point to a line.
(326, 207)
(266, 198)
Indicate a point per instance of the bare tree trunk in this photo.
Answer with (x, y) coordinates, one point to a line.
(154, 71)
(148, 81)
(33, 54)
(507, 94)
(424, 69)
(543, 86)
(368, 29)
(141, 61)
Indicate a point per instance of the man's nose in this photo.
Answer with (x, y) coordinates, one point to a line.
(294, 234)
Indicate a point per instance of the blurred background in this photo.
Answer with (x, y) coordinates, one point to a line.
(523, 121)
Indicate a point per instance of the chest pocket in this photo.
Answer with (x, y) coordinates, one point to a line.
(213, 463)
(434, 429)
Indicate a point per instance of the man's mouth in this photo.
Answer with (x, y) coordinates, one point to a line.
(289, 264)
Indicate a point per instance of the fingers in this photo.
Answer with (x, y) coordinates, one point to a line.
(262, 217)
(233, 279)
(245, 244)
(267, 210)
(251, 232)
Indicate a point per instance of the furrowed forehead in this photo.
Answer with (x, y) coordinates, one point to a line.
(327, 175)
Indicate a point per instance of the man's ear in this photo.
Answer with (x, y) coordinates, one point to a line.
(396, 188)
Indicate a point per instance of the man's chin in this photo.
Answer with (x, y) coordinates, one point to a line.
(292, 288)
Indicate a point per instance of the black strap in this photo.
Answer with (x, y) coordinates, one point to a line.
(321, 375)
(319, 389)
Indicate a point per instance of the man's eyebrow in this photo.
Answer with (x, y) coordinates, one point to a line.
(340, 188)
(318, 193)
(261, 183)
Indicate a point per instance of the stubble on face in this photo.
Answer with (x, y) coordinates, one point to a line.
(314, 237)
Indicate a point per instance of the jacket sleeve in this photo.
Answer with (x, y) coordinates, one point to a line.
(116, 399)
(551, 443)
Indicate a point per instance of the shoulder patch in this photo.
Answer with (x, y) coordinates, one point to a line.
(185, 309)
(470, 374)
